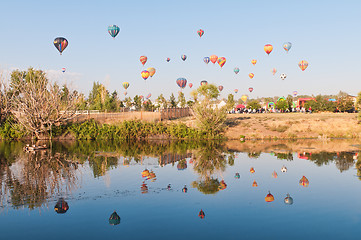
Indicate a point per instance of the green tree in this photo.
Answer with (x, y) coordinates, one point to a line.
(230, 102)
(162, 101)
(172, 101)
(128, 102)
(181, 99)
(282, 105)
(148, 105)
(345, 104)
(137, 102)
(253, 104)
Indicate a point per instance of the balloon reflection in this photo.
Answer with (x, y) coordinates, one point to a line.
(269, 197)
(288, 200)
(304, 181)
(201, 214)
(61, 206)
(254, 184)
(114, 219)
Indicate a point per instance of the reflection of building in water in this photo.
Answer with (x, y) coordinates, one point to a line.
(171, 158)
(304, 155)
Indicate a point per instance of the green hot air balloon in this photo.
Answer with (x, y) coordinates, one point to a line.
(113, 30)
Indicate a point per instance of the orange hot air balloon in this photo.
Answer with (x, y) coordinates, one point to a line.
(143, 59)
(252, 170)
(221, 61)
(304, 182)
(251, 75)
(213, 58)
(303, 65)
(145, 173)
(145, 74)
(269, 197)
(254, 61)
(201, 214)
(190, 85)
(274, 174)
(268, 48)
(254, 184)
(151, 71)
(222, 185)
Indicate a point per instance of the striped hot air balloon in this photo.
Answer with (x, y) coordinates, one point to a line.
(125, 85)
(204, 82)
(303, 65)
(63, 69)
(183, 57)
(113, 30)
(251, 75)
(221, 61)
(168, 59)
(206, 60)
(268, 48)
(151, 71)
(143, 59)
(181, 82)
(60, 43)
(236, 70)
(200, 32)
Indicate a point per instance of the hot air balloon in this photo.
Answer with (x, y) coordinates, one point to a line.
(145, 74)
(288, 200)
(252, 170)
(63, 69)
(303, 65)
(200, 32)
(114, 219)
(304, 181)
(168, 59)
(151, 71)
(254, 61)
(190, 85)
(251, 75)
(125, 93)
(283, 76)
(295, 93)
(237, 175)
(181, 82)
(204, 82)
(220, 88)
(183, 57)
(269, 197)
(185, 189)
(201, 214)
(149, 95)
(244, 98)
(143, 59)
(206, 60)
(222, 185)
(287, 46)
(125, 85)
(235, 90)
(274, 174)
(250, 89)
(169, 187)
(221, 61)
(61, 206)
(283, 169)
(274, 71)
(113, 30)
(254, 184)
(268, 48)
(213, 59)
(60, 43)
(236, 70)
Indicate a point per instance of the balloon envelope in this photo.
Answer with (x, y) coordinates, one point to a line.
(113, 30)
(283, 76)
(268, 48)
(114, 219)
(221, 61)
(274, 71)
(244, 98)
(200, 32)
(206, 60)
(254, 61)
(250, 89)
(181, 82)
(151, 71)
(213, 59)
(145, 74)
(287, 46)
(183, 57)
(143, 59)
(204, 82)
(168, 59)
(236, 70)
(60, 43)
(220, 88)
(251, 75)
(190, 85)
(303, 65)
(295, 93)
(63, 69)
(125, 85)
(236, 90)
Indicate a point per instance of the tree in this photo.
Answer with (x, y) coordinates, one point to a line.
(230, 102)
(181, 99)
(345, 104)
(137, 102)
(172, 101)
(5, 103)
(128, 102)
(162, 101)
(282, 105)
(38, 104)
(253, 104)
(148, 105)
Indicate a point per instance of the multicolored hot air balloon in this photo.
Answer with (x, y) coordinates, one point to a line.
(125, 85)
(269, 197)
(143, 59)
(274, 71)
(221, 61)
(204, 82)
(220, 88)
(190, 85)
(236, 90)
(213, 58)
(252, 169)
(303, 65)
(222, 185)
(183, 57)
(236, 70)
(61, 206)
(244, 99)
(145, 74)
(274, 174)
(181, 82)
(60, 43)
(168, 59)
(113, 30)
(304, 181)
(287, 46)
(206, 60)
(200, 32)
(283, 76)
(251, 75)
(268, 48)
(250, 89)
(151, 71)
(148, 96)
(63, 69)
(254, 61)
(295, 93)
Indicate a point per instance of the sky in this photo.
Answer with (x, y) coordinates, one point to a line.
(324, 33)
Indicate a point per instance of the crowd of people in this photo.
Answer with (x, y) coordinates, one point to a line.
(270, 110)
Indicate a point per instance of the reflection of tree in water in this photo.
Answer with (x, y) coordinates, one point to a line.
(342, 160)
(35, 177)
(284, 156)
(254, 154)
(207, 160)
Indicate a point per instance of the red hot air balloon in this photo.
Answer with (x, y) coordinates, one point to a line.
(168, 59)
(181, 82)
(268, 48)
(250, 89)
(220, 88)
(251, 75)
(190, 85)
(269, 197)
(200, 32)
(201, 214)
(213, 58)
(143, 59)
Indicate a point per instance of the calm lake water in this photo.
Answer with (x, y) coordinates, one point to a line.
(180, 190)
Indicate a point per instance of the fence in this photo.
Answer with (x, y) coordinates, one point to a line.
(173, 113)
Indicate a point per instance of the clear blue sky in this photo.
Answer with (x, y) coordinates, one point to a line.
(325, 33)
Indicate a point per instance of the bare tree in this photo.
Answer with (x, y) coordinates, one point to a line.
(4, 101)
(38, 104)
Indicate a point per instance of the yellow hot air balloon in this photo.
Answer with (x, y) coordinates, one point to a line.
(268, 48)
(244, 98)
(251, 75)
(252, 169)
(151, 71)
(221, 61)
(303, 65)
(254, 61)
(145, 74)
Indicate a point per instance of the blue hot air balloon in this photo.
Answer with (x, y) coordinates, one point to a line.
(181, 82)
(113, 30)
(206, 59)
(287, 46)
